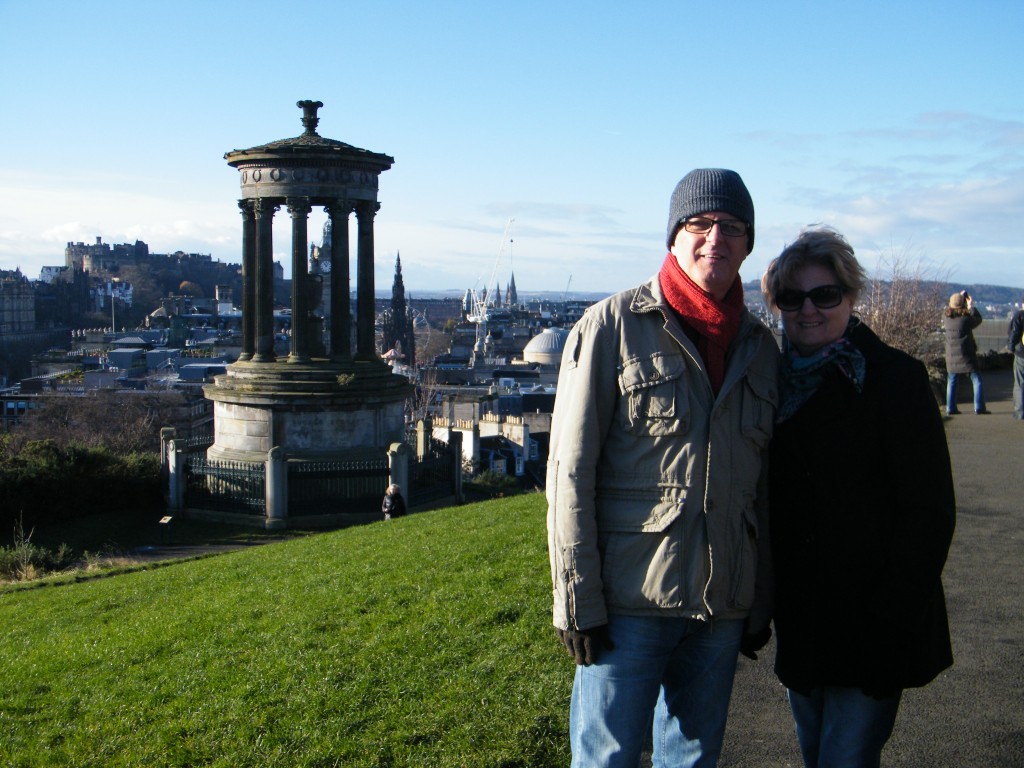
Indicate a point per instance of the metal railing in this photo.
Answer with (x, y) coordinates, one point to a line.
(306, 488)
(195, 443)
(332, 487)
(225, 486)
(432, 476)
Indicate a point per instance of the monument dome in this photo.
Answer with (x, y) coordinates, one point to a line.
(546, 347)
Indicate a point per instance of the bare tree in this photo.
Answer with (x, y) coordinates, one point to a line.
(431, 342)
(903, 304)
(423, 402)
(122, 421)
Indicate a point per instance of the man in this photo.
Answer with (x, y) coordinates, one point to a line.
(1016, 344)
(657, 518)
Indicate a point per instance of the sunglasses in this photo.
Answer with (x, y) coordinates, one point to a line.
(823, 297)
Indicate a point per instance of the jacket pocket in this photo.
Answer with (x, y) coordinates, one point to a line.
(654, 396)
(760, 398)
(642, 571)
(741, 596)
(650, 509)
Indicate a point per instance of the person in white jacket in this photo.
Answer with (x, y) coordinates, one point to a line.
(657, 514)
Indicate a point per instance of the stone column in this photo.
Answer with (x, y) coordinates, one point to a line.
(474, 445)
(299, 208)
(166, 435)
(365, 344)
(341, 310)
(275, 475)
(176, 478)
(399, 457)
(455, 445)
(424, 432)
(264, 280)
(248, 279)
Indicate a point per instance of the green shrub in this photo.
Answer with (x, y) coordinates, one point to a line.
(45, 482)
(24, 561)
(492, 485)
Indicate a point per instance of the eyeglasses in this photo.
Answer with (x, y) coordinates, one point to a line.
(701, 225)
(823, 297)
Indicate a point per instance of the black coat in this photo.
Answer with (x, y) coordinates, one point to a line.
(961, 349)
(1015, 333)
(393, 505)
(862, 516)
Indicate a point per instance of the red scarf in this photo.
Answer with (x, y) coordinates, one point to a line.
(714, 322)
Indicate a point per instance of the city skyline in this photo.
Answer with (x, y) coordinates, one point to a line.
(895, 124)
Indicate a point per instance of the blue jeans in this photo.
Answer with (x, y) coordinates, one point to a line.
(979, 391)
(842, 727)
(1018, 387)
(675, 672)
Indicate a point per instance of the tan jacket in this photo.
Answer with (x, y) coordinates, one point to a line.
(655, 488)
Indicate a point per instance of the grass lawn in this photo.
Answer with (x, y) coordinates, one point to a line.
(423, 641)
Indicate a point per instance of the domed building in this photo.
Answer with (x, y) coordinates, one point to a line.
(546, 347)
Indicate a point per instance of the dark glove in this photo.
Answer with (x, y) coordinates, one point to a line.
(754, 642)
(585, 645)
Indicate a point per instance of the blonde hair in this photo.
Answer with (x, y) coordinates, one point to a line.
(823, 246)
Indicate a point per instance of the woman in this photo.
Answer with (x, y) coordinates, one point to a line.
(959, 320)
(393, 504)
(862, 511)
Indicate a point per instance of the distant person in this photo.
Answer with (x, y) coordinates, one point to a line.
(1016, 345)
(959, 320)
(393, 504)
(862, 511)
(656, 512)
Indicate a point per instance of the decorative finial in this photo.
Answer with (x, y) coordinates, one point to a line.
(309, 118)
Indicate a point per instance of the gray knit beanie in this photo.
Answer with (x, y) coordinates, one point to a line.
(710, 189)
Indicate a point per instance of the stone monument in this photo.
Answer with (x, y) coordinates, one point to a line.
(317, 403)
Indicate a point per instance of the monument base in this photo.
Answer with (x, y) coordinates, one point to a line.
(321, 410)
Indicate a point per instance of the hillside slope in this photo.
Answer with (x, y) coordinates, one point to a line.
(421, 641)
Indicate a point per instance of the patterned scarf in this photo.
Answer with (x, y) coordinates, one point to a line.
(715, 322)
(802, 376)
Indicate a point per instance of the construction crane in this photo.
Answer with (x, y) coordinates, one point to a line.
(481, 303)
(565, 293)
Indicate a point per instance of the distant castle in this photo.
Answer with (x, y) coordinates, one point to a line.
(101, 256)
(96, 280)
(104, 257)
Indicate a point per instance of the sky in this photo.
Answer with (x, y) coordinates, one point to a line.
(899, 124)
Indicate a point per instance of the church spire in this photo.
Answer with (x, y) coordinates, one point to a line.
(397, 328)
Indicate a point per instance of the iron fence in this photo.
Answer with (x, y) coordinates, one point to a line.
(432, 476)
(195, 443)
(314, 488)
(225, 486)
(332, 487)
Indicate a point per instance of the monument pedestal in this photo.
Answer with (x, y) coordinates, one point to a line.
(316, 411)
